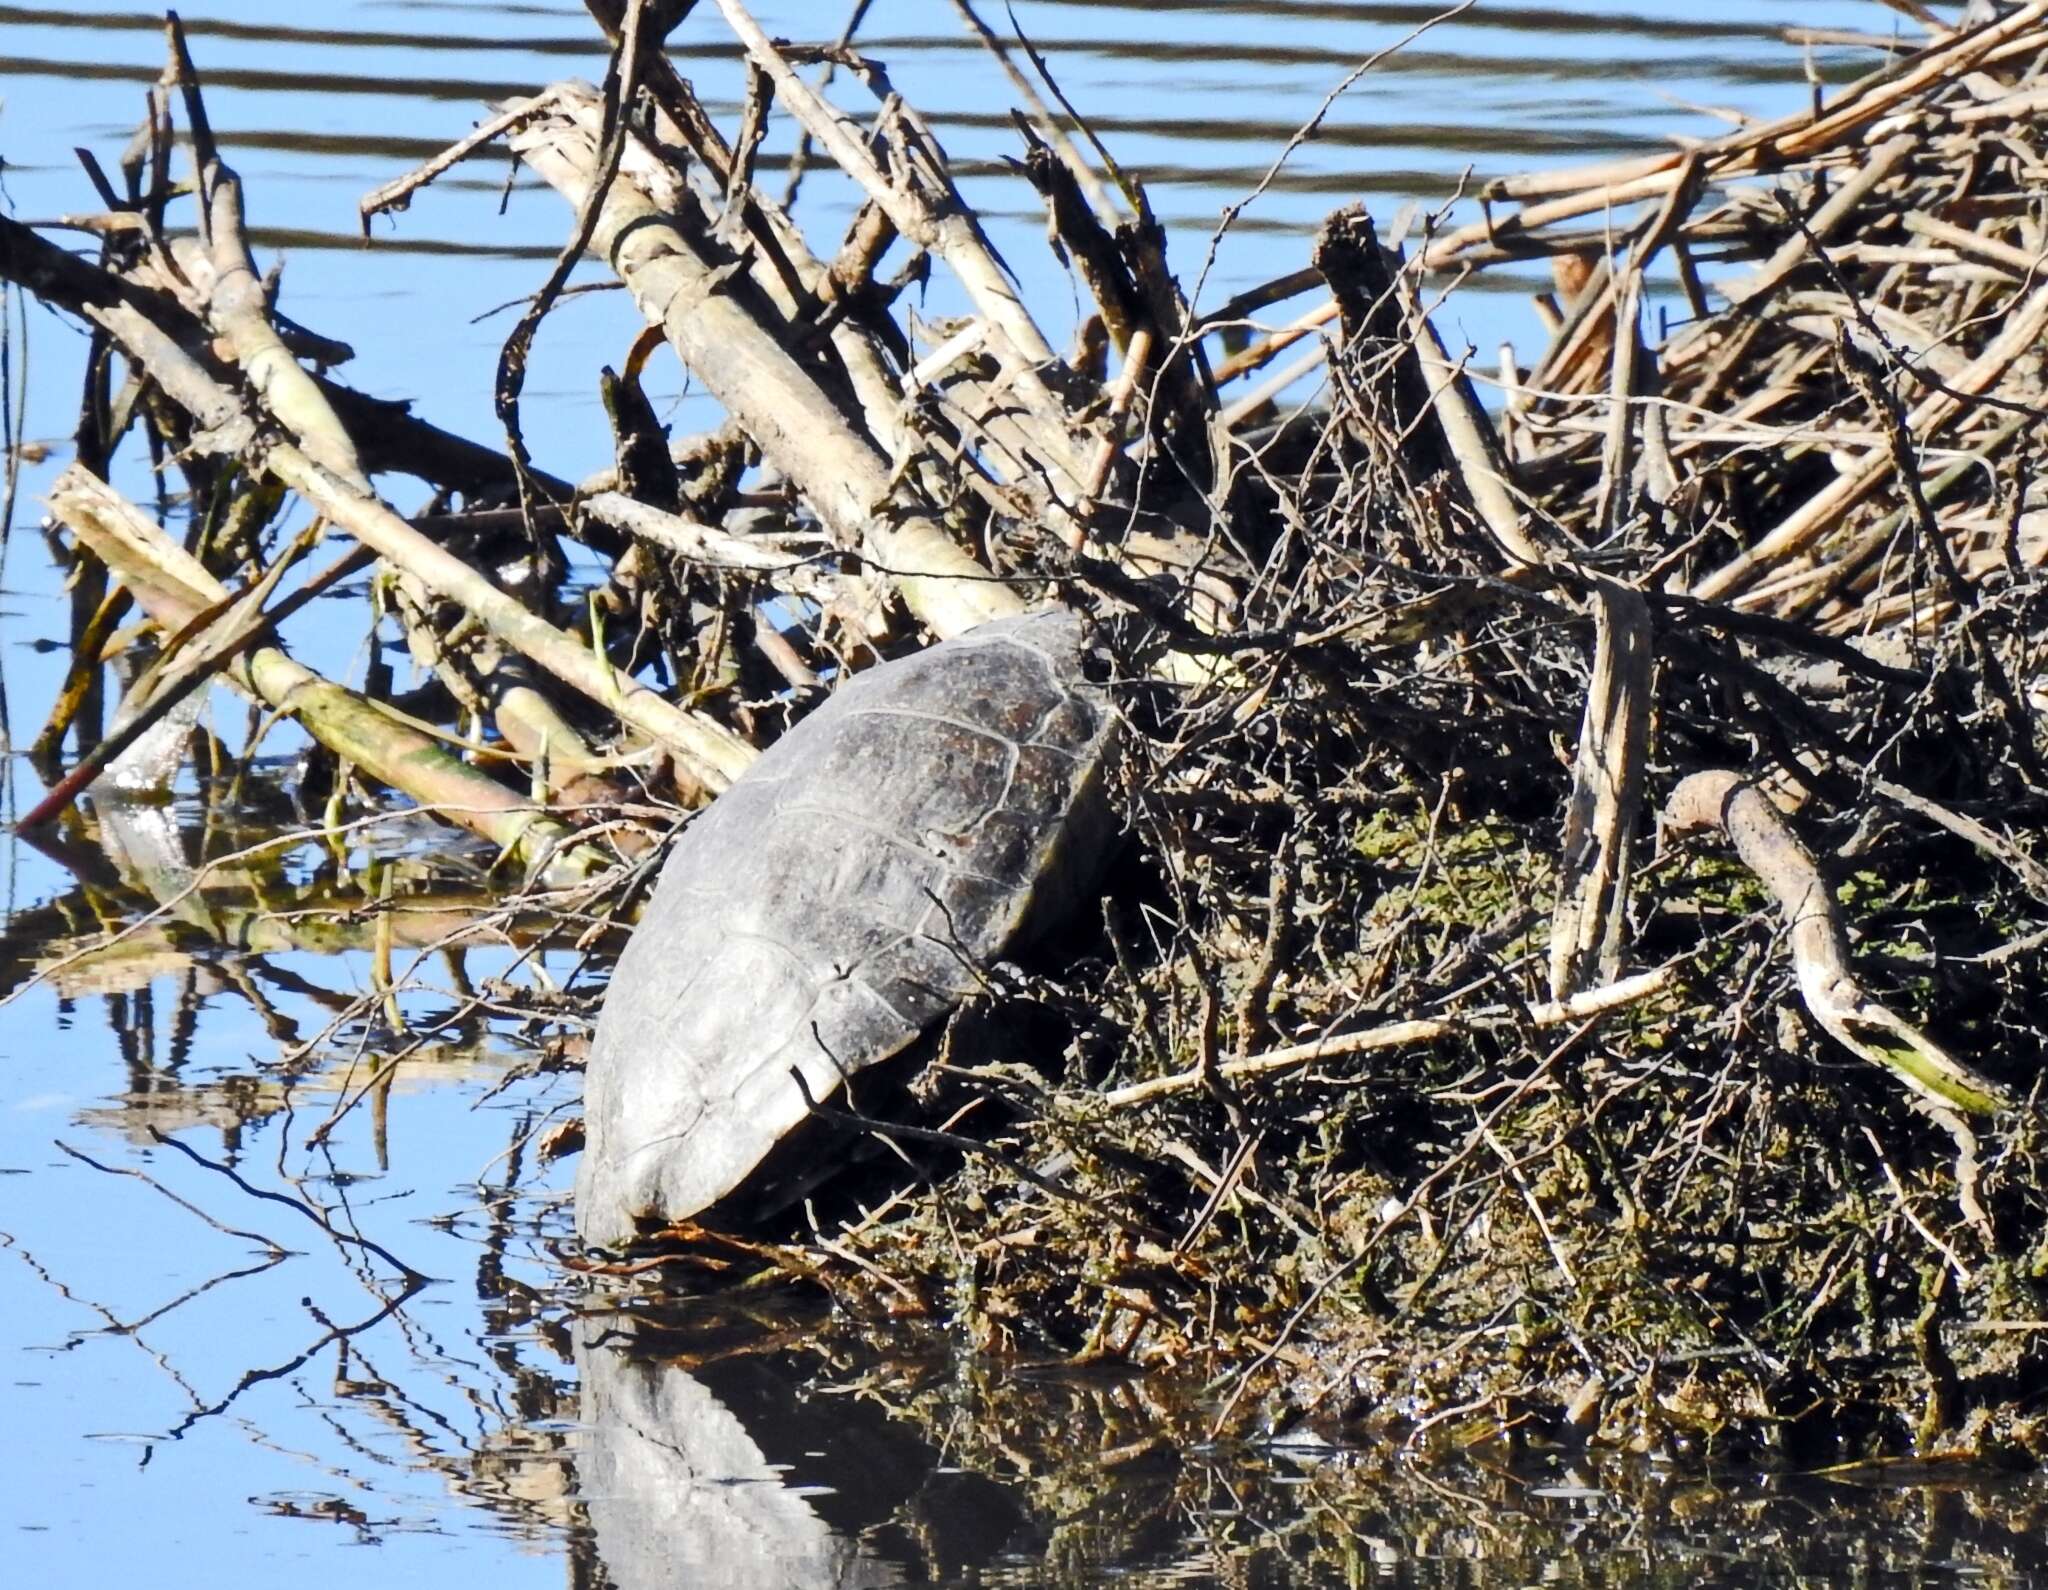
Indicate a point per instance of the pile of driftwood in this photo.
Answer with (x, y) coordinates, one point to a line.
(1401, 1069)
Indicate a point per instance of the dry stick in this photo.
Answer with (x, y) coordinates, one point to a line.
(1820, 950)
(1877, 328)
(970, 338)
(1905, 1203)
(1886, 158)
(1120, 269)
(1474, 445)
(1127, 259)
(1790, 136)
(237, 309)
(535, 729)
(1861, 106)
(1616, 466)
(942, 224)
(803, 433)
(1380, 341)
(2022, 264)
(1846, 38)
(1585, 337)
(947, 229)
(1927, 346)
(1007, 443)
(621, 85)
(2001, 848)
(1399, 1035)
(174, 587)
(1588, 190)
(397, 193)
(194, 653)
(1607, 776)
(1514, 1173)
(1048, 125)
(178, 687)
(1133, 192)
(782, 266)
(1267, 349)
(2018, 105)
(83, 677)
(1253, 299)
(1252, 1015)
(688, 538)
(1136, 357)
(1238, 410)
(1661, 481)
(235, 302)
(713, 754)
(184, 268)
(1438, 256)
(1821, 513)
(1607, 794)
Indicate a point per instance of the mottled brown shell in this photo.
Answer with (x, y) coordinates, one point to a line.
(838, 900)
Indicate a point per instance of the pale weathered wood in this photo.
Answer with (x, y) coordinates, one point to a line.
(1607, 795)
(1819, 944)
(845, 478)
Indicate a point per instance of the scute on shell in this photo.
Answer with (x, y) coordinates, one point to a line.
(837, 901)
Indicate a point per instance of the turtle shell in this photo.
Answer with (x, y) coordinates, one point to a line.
(840, 898)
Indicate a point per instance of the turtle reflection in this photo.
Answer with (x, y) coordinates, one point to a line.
(741, 1471)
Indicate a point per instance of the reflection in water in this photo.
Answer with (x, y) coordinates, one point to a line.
(753, 1463)
(675, 1480)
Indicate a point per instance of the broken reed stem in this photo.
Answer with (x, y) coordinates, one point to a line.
(1402, 1034)
(1607, 794)
(743, 364)
(174, 588)
(712, 752)
(182, 684)
(1733, 805)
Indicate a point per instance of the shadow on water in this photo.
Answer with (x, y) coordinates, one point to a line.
(346, 1321)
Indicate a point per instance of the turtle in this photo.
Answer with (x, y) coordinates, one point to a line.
(844, 895)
